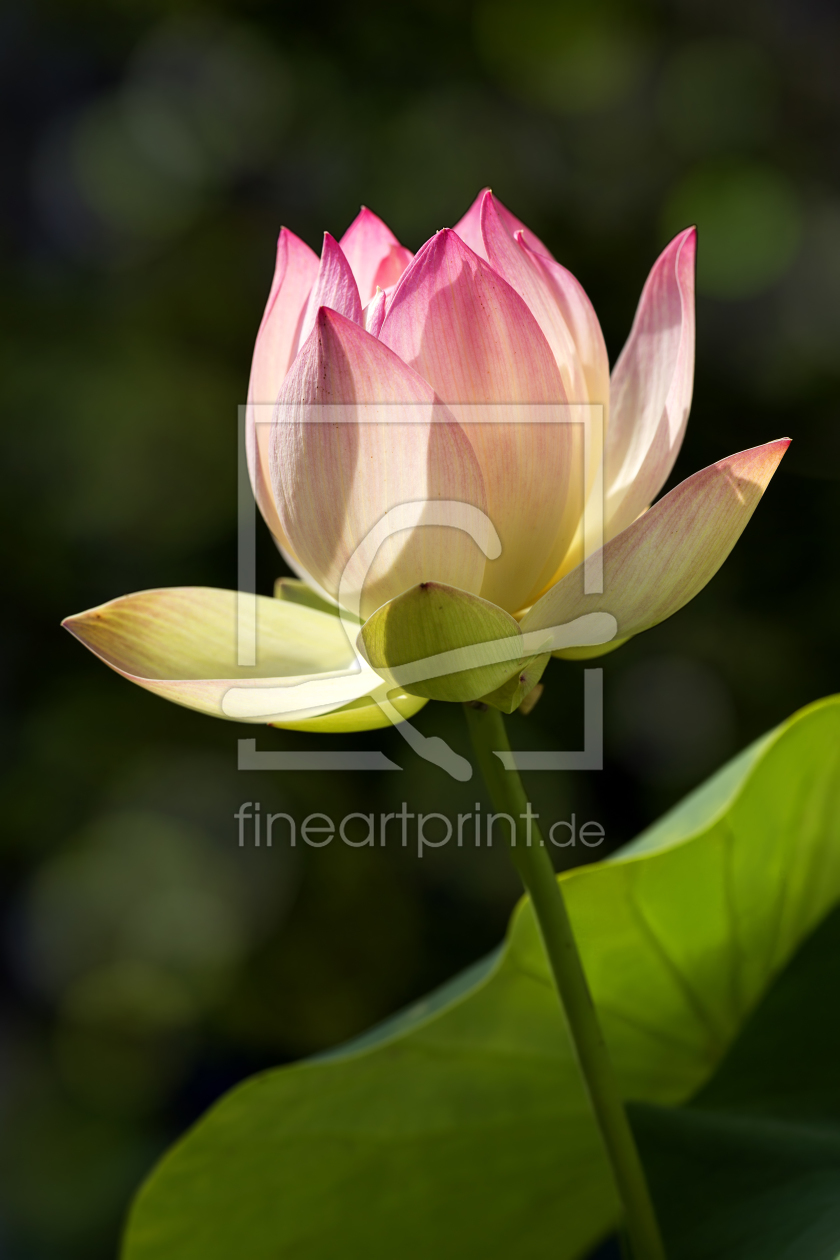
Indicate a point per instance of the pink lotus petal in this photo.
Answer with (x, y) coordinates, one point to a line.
(469, 228)
(667, 556)
(359, 434)
(374, 313)
(583, 324)
(374, 254)
(522, 269)
(465, 330)
(335, 288)
(651, 386)
(459, 324)
(295, 272)
(294, 276)
(567, 317)
(392, 266)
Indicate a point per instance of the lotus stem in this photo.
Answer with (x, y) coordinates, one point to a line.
(538, 876)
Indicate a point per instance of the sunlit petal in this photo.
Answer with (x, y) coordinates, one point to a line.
(651, 386)
(277, 339)
(182, 643)
(667, 556)
(469, 228)
(458, 323)
(521, 267)
(374, 313)
(335, 287)
(358, 435)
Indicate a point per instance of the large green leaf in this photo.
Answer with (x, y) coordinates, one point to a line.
(751, 1167)
(461, 1127)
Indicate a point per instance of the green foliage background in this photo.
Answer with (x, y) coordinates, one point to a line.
(150, 153)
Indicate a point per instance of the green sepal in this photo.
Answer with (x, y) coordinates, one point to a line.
(432, 619)
(510, 695)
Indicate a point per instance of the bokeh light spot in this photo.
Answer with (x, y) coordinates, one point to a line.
(717, 95)
(573, 57)
(749, 225)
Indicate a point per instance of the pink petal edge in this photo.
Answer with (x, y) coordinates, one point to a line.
(295, 271)
(334, 288)
(666, 556)
(651, 386)
(469, 228)
(375, 255)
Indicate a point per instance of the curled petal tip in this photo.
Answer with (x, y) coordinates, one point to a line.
(283, 236)
(651, 386)
(687, 247)
(684, 252)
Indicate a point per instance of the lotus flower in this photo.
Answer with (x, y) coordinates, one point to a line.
(409, 449)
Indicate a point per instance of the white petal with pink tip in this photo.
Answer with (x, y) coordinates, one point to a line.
(650, 393)
(667, 556)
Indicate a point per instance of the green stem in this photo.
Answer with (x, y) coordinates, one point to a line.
(537, 873)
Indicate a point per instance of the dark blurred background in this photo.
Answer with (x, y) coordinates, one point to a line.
(150, 152)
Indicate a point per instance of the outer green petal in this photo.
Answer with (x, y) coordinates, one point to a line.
(460, 646)
(360, 715)
(181, 643)
(589, 653)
